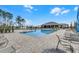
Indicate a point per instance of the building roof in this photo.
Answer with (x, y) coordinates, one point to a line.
(54, 23)
(51, 23)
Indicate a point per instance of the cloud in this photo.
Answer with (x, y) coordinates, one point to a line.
(75, 8)
(65, 11)
(59, 11)
(28, 22)
(56, 11)
(30, 8)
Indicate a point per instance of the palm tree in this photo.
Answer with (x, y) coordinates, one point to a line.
(18, 21)
(23, 22)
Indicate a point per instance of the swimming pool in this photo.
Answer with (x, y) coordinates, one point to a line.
(39, 33)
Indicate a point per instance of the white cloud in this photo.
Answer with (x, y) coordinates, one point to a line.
(56, 11)
(59, 11)
(65, 11)
(28, 22)
(30, 8)
(57, 14)
(75, 8)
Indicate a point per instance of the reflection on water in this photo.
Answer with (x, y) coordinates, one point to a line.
(39, 33)
(48, 31)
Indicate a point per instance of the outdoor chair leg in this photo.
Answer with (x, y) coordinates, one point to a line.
(71, 49)
(57, 45)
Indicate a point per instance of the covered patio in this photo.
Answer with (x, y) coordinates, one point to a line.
(54, 25)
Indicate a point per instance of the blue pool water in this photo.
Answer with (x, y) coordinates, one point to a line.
(39, 33)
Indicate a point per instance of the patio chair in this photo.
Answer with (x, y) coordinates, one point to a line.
(65, 43)
(74, 37)
(10, 49)
(3, 41)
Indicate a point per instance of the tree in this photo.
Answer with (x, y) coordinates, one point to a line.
(23, 22)
(7, 17)
(20, 21)
(1, 13)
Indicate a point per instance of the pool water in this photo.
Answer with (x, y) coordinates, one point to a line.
(39, 33)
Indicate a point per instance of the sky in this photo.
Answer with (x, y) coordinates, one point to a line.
(40, 14)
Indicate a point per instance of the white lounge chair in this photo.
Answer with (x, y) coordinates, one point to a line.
(10, 49)
(64, 42)
(3, 42)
